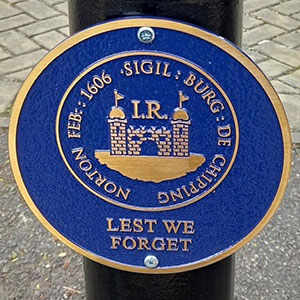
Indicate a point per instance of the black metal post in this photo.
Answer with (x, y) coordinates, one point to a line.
(214, 282)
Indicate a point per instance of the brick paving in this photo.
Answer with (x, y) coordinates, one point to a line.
(28, 29)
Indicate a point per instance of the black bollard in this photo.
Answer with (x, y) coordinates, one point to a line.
(213, 282)
(223, 17)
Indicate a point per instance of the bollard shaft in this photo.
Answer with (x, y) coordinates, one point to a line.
(213, 282)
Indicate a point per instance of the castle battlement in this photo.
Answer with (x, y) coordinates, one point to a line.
(127, 139)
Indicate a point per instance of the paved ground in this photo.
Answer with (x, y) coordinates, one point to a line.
(33, 265)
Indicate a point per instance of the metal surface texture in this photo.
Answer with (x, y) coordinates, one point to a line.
(214, 282)
(159, 149)
(221, 17)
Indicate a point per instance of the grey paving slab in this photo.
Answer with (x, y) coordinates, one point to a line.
(292, 79)
(4, 122)
(283, 88)
(281, 53)
(296, 16)
(277, 19)
(250, 22)
(7, 10)
(288, 7)
(49, 39)
(291, 105)
(256, 56)
(21, 62)
(45, 25)
(13, 1)
(65, 31)
(37, 9)
(254, 5)
(4, 54)
(62, 7)
(8, 90)
(15, 21)
(20, 75)
(16, 42)
(296, 137)
(274, 68)
(261, 33)
(291, 39)
(52, 2)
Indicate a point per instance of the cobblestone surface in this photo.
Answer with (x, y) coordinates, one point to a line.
(272, 29)
(33, 265)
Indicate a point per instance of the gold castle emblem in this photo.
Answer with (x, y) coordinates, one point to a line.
(127, 143)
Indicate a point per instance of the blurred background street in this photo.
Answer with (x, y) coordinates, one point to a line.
(34, 265)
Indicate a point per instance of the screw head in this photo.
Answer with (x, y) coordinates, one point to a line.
(146, 35)
(151, 261)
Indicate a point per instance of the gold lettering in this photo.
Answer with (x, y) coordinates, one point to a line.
(185, 190)
(110, 227)
(207, 178)
(115, 242)
(76, 117)
(216, 106)
(190, 80)
(99, 181)
(209, 96)
(201, 184)
(172, 244)
(143, 243)
(186, 243)
(74, 126)
(162, 195)
(153, 108)
(213, 170)
(88, 165)
(219, 157)
(150, 66)
(138, 225)
(79, 153)
(198, 85)
(125, 243)
(188, 227)
(161, 246)
(174, 194)
(73, 134)
(135, 109)
(170, 225)
(194, 190)
(125, 225)
(165, 72)
(110, 187)
(90, 176)
(128, 70)
(122, 193)
(157, 72)
(150, 224)
(224, 142)
(136, 66)
(224, 131)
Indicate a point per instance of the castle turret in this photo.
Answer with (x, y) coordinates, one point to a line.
(118, 123)
(181, 122)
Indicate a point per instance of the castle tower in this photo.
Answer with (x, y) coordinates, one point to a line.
(118, 123)
(181, 122)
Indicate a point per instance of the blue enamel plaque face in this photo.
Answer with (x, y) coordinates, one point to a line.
(150, 145)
